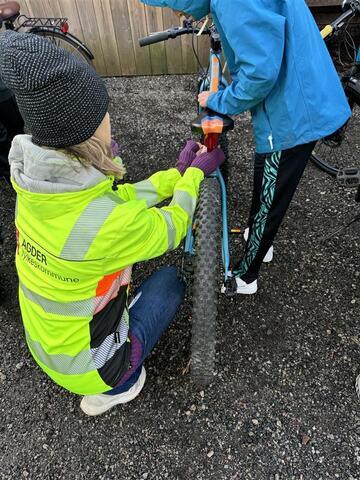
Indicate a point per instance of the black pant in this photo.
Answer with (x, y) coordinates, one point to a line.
(276, 177)
(11, 124)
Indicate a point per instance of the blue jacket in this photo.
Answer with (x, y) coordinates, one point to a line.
(280, 66)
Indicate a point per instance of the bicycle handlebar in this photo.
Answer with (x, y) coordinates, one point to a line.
(154, 38)
(338, 23)
(353, 9)
(171, 33)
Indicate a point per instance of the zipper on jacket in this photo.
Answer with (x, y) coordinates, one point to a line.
(270, 137)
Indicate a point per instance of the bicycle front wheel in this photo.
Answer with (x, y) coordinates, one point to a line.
(207, 229)
(69, 43)
(342, 150)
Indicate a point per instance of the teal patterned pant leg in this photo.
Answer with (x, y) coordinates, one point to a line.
(267, 196)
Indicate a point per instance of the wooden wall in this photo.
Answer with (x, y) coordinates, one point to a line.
(111, 28)
(324, 3)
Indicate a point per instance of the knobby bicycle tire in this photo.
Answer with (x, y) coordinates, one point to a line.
(62, 40)
(206, 281)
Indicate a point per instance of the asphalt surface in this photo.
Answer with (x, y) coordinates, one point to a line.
(282, 405)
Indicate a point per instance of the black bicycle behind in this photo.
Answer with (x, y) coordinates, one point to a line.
(339, 154)
(56, 30)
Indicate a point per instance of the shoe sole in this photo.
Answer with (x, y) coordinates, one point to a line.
(93, 412)
(247, 292)
(223, 291)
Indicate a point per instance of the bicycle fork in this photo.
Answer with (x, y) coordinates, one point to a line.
(225, 248)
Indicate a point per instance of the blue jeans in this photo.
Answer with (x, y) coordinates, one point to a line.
(161, 295)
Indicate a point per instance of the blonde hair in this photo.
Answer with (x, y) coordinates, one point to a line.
(94, 152)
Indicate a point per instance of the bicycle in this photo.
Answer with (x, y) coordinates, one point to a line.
(333, 154)
(207, 243)
(56, 30)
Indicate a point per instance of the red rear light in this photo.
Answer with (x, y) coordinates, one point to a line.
(64, 27)
(211, 141)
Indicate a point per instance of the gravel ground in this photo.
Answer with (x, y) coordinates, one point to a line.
(282, 405)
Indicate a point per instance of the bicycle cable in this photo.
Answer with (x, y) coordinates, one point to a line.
(344, 41)
(350, 43)
(195, 52)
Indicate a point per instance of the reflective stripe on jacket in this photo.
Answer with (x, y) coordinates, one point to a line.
(74, 257)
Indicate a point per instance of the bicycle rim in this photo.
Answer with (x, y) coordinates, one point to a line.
(60, 40)
(333, 157)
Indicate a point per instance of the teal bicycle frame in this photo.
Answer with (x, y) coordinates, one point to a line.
(214, 76)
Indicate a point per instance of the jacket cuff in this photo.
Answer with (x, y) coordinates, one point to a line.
(175, 172)
(194, 173)
(213, 102)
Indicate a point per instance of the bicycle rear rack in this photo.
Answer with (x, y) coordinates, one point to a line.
(29, 22)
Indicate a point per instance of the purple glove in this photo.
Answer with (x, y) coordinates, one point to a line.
(187, 156)
(114, 148)
(208, 162)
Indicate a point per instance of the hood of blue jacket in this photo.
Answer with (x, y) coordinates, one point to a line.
(196, 8)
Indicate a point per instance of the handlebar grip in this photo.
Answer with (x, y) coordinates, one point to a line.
(154, 38)
(328, 30)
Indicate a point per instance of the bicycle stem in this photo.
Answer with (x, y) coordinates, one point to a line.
(211, 139)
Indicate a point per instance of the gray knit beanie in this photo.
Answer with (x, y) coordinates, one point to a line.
(62, 99)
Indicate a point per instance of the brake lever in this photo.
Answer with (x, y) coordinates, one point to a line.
(204, 25)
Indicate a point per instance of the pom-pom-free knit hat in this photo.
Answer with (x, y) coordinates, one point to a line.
(62, 99)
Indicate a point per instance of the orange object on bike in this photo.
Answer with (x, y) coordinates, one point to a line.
(212, 126)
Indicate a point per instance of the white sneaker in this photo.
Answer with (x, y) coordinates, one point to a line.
(97, 404)
(242, 287)
(270, 253)
(357, 386)
(246, 288)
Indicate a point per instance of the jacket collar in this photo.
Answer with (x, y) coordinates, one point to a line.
(43, 170)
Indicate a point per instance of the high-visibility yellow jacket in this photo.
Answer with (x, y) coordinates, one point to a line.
(74, 255)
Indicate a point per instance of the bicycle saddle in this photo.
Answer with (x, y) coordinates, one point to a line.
(8, 10)
(211, 122)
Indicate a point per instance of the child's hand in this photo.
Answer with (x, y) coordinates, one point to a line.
(202, 150)
(208, 162)
(204, 98)
(187, 155)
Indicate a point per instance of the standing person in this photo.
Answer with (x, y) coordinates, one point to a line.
(283, 73)
(11, 124)
(80, 232)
